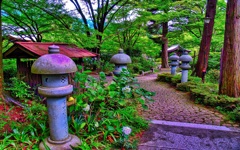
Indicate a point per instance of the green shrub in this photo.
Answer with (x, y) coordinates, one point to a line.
(19, 89)
(192, 83)
(176, 79)
(223, 101)
(201, 92)
(235, 114)
(194, 79)
(105, 66)
(213, 76)
(9, 69)
(135, 67)
(186, 86)
(141, 64)
(29, 133)
(102, 110)
(164, 77)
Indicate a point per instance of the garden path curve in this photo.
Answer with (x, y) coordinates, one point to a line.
(176, 106)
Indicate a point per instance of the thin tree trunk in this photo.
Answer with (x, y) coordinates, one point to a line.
(97, 49)
(165, 45)
(230, 60)
(202, 61)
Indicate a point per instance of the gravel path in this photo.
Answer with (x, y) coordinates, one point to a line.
(173, 105)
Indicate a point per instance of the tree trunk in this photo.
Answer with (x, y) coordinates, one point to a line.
(202, 61)
(1, 56)
(230, 70)
(97, 49)
(165, 45)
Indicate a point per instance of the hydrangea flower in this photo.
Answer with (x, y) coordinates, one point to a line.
(86, 108)
(126, 89)
(126, 130)
(96, 124)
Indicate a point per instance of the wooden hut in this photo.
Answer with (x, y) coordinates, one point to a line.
(27, 52)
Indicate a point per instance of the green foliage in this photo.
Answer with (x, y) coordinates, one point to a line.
(29, 133)
(214, 60)
(186, 86)
(176, 79)
(194, 79)
(103, 109)
(235, 114)
(141, 64)
(213, 76)
(9, 69)
(201, 95)
(19, 89)
(102, 64)
(32, 19)
(105, 66)
(219, 27)
(164, 77)
(184, 17)
(3, 121)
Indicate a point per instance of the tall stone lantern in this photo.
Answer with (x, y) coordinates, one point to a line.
(54, 68)
(120, 60)
(174, 63)
(185, 58)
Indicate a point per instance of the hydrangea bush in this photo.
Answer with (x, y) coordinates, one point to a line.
(104, 112)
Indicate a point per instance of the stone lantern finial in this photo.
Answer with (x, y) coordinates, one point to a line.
(53, 49)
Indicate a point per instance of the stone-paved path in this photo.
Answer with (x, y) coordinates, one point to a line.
(173, 105)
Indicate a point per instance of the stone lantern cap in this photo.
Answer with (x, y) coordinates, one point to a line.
(174, 57)
(185, 57)
(53, 63)
(121, 58)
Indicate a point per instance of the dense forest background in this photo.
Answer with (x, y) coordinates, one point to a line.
(131, 25)
(139, 27)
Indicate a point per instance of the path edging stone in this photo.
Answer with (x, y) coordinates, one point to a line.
(194, 125)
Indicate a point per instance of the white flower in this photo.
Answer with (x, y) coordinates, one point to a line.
(126, 89)
(96, 124)
(126, 130)
(86, 108)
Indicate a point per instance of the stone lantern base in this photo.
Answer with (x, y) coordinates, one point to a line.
(71, 141)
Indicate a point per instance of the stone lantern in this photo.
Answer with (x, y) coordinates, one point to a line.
(174, 58)
(120, 60)
(185, 59)
(54, 68)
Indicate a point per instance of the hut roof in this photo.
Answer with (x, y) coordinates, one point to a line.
(37, 49)
(177, 47)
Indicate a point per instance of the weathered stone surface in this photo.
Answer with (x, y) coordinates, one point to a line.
(171, 137)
